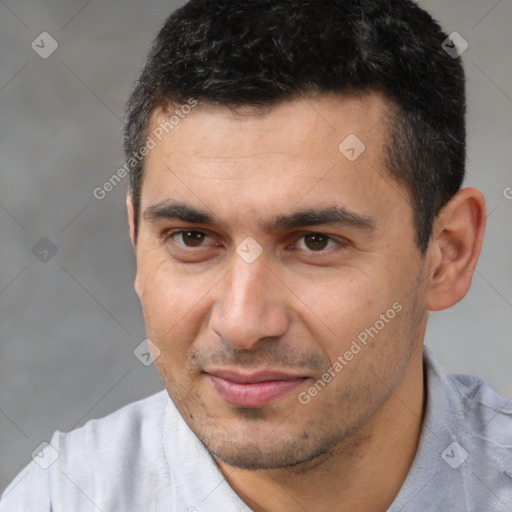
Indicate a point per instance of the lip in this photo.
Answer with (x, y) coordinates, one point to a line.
(255, 389)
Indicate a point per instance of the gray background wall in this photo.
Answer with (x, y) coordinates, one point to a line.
(69, 325)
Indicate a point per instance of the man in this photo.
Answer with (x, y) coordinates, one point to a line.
(296, 210)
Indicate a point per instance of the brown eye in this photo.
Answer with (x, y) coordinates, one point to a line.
(316, 241)
(190, 238)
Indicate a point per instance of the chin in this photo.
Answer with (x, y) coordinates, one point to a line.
(278, 454)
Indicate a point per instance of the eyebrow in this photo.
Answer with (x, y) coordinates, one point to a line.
(301, 218)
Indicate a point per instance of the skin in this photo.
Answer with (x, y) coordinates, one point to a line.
(302, 301)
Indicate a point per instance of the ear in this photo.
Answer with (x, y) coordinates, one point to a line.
(131, 227)
(454, 249)
(131, 217)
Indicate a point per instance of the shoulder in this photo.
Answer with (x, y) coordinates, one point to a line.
(97, 461)
(487, 418)
(469, 397)
(127, 424)
(121, 446)
(477, 415)
(464, 457)
(483, 407)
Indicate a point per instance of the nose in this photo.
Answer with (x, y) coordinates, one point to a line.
(250, 305)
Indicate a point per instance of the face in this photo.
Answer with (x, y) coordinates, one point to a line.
(278, 275)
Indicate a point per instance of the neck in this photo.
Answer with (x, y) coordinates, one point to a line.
(365, 472)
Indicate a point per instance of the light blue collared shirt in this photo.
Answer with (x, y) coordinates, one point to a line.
(144, 458)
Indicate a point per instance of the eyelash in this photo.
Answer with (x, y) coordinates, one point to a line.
(168, 236)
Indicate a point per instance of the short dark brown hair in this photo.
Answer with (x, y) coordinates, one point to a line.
(258, 52)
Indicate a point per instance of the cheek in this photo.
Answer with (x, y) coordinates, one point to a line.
(339, 309)
(358, 311)
(167, 304)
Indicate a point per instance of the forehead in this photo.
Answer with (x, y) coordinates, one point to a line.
(303, 125)
(327, 150)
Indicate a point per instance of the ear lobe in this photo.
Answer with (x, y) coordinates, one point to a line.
(454, 249)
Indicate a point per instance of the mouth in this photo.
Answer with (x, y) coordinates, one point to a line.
(253, 390)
